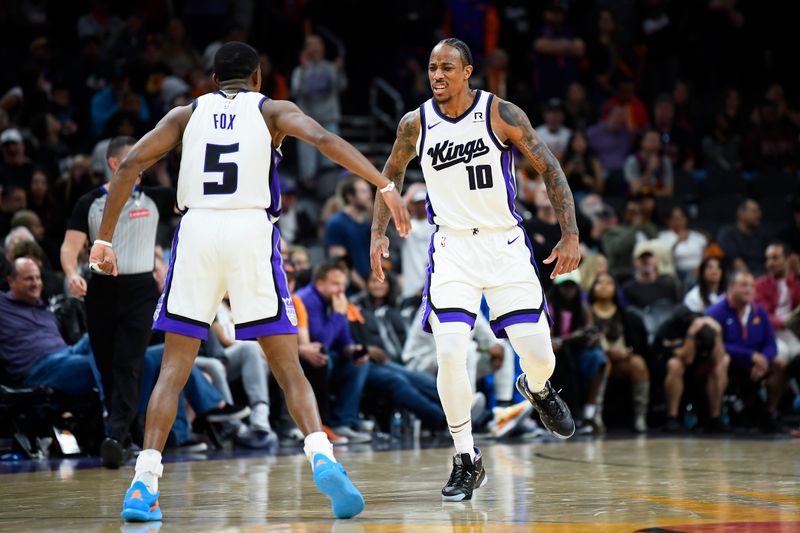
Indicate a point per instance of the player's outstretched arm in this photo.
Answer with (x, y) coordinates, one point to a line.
(145, 153)
(403, 151)
(512, 124)
(285, 118)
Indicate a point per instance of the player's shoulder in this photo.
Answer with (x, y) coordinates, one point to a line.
(409, 125)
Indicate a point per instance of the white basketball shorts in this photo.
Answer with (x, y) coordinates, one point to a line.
(215, 251)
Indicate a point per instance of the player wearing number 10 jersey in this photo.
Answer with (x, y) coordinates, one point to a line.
(226, 242)
(464, 141)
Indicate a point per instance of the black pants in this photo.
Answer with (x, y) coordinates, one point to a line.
(119, 315)
(319, 379)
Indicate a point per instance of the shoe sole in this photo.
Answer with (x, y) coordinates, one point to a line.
(112, 456)
(136, 515)
(462, 497)
(346, 501)
(244, 413)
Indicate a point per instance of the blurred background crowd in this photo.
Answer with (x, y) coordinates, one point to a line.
(673, 121)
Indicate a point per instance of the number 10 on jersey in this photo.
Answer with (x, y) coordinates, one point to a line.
(480, 177)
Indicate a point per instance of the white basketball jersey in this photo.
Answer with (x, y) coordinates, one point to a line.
(228, 161)
(468, 172)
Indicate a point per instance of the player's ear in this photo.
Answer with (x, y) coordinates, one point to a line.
(215, 79)
(467, 72)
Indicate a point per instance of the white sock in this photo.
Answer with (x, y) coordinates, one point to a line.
(589, 410)
(148, 469)
(455, 390)
(318, 443)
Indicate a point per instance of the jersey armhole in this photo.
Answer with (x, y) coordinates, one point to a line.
(421, 137)
(272, 137)
(194, 104)
(489, 128)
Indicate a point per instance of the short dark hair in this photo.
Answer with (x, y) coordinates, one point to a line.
(461, 46)
(347, 188)
(116, 145)
(322, 270)
(9, 189)
(783, 246)
(235, 61)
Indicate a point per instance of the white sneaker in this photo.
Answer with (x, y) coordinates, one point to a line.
(353, 436)
(507, 419)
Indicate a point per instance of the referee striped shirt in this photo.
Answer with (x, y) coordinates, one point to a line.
(135, 235)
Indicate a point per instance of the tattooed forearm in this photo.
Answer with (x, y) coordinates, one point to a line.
(545, 163)
(403, 151)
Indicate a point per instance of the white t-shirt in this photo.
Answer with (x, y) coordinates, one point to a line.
(687, 254)
(694, 302)
(557, 140)
(784, 308)
(414, 257)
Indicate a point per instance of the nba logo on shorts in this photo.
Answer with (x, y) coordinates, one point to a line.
(291, 314)
(158, 307)
(444, 240)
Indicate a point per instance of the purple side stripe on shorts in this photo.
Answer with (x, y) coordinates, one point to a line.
(499, 327)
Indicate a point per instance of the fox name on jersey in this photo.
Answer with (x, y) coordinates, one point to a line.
(469, 174)
(228, 160)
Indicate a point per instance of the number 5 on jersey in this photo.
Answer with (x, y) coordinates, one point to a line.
(230, 171)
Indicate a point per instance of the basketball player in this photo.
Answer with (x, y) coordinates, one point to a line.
(226, 241)
(464, 138)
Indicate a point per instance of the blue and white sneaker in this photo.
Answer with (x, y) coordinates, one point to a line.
(332, 481)
(140, 504)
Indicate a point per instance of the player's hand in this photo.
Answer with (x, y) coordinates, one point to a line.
(378, 251)
(77, 286)
(395, 203)
(104, 259)
(568, 253)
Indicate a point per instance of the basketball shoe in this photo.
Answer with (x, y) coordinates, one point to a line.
(553, 412)
(467, 475)
(140, 504)
(332, 481)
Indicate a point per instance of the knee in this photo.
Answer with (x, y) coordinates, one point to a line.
(451, 351)
(675, 367)
(536, 350)
(215, 367)
(639, 366)
(778, 365)
(722, 366)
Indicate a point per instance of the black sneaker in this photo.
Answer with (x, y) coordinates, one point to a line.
(715, 425)
(672, 425)
(112, 453)
(227, 413)
(465, 477)
(553, 412)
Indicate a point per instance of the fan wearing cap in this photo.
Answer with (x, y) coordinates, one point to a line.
(648, 285)
(16, 168)
(553, 132)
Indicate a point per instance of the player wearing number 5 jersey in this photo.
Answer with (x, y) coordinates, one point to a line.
(464, 140)
(226, 242)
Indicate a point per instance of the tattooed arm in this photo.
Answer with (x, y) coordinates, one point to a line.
(403, 151)
(512, 125)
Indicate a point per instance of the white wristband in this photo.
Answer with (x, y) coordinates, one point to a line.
(104, 243)
(388, 188)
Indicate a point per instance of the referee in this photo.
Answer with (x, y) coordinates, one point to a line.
(119, 309)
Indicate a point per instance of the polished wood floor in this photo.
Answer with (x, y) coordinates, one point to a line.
(619, 485)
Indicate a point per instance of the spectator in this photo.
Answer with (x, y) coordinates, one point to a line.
(647, 286)
(52, 282)
(592, 265)
(697, 362)
(771, 142)
(582, 167)
(558, 52)
(347, 232)
(623, 338)
(634, 111)
(578, 110)
(620, 240)
(710, 286)
(495, 73)
(117, 96)
(316, 85)
(98, 22)
(580, 363)
(553, 133)
(611, 140)
(178, 51)
(40, 200)
(750, 342)
(722, 146)
(790, 234)
(414, 254)
(16, 168)
(676, 139)
(607, 57)
(383, 331)
(687, 245)
(32, 350)
(544, 233)
(778, 292)
(51, 149)
(295, 223)
(327, 306)
(744, 242)
(648, 171)
(12, 199)
(273, 83)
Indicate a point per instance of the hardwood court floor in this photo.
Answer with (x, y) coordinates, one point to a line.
(624, 485)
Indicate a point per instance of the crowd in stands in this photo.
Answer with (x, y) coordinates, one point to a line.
(685, 178)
